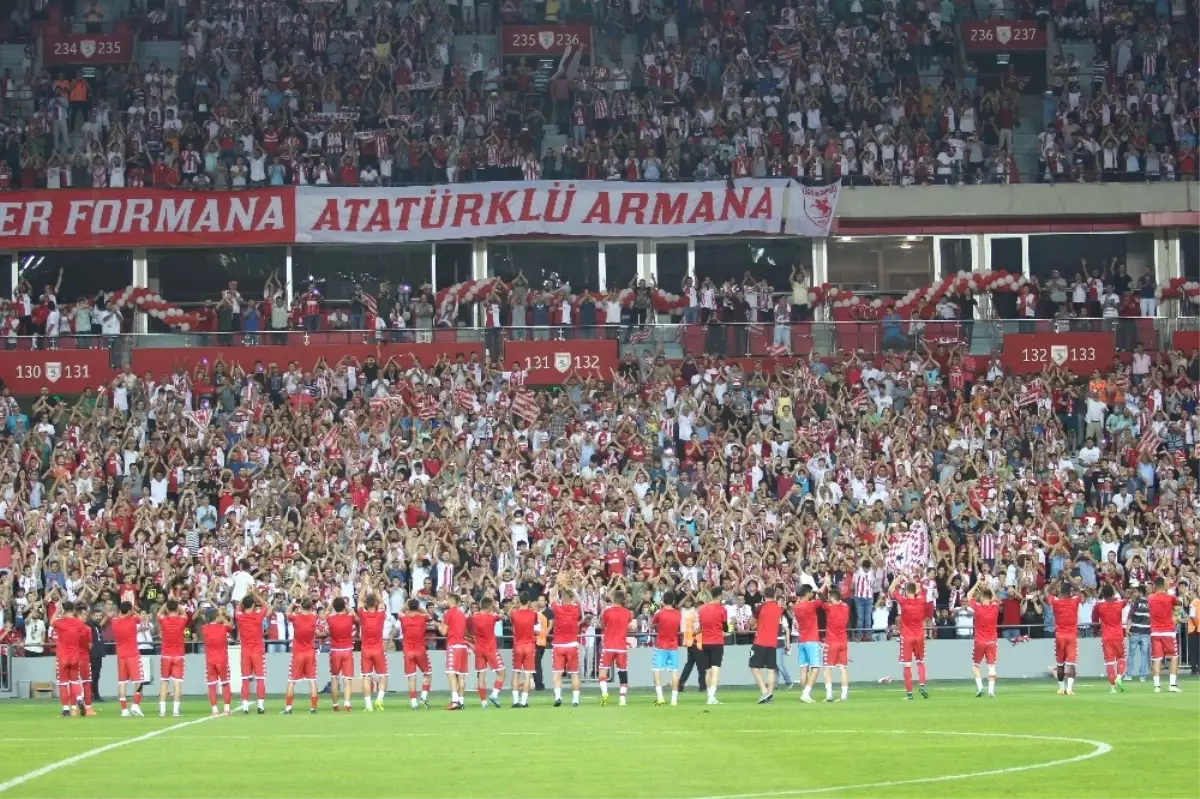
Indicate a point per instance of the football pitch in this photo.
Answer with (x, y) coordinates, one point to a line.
(1027, 742)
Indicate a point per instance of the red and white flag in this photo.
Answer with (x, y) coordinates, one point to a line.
(1031, 395)
(465, 399)
(525, 405)
(1149, 443)
(641, 335)
(777, 350)
(330, 438)
(910, 552)
(200, 418)
(426, 406)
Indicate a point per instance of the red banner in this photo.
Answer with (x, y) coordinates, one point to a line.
(1186, 340)
(115, 47)
(82, 219)
(26, 372)
(551, 362)
(1080, 353)
(160, 361)
(543, 40)
(1003, 35)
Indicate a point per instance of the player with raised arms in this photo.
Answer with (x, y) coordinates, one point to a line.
(836, 652)
(1109, 613)
(129, 659)
(341, 653)
(666, 624)
(304, 654)
(766, 639)
(249, 620)
(372, 626)
(454, 626)
(711, 618)
(912, 634)
(487, 654)
(414, 623)
(1162, 636)
(1066, 635)
(524, 621)
(564, 639)
(614, 623)
(985, 611)
(215, 634)
(172, 624)
(67, 657)
(808, 648)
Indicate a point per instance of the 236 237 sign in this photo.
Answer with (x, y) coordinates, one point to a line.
(552, 362)
(1003, 35)
(1079, 353)
(543, 40)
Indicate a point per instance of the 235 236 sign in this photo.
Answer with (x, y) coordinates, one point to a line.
(543, 40)
(1079, 353)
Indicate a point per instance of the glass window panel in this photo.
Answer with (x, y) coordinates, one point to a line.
(453, 266)
(1066, 253)
(730, 259)
(336, 270)
(193, 276)
(85, 273)
(1189, 252)
(1006, 255)
(671, 265)
(620, 264)
(881, 264)
(6, 286)
(542, 262)
(956, 256)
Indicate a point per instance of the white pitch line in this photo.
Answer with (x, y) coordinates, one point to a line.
(1099, 748)
(70, 761)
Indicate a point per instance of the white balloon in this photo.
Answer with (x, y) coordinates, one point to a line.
(185, 327)
(833, 292)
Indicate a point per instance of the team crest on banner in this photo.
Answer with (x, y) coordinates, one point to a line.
(1058, 354)
(1003, 33)
(53, 371)
(546, 39)
(562, 362)
(819, 205)
(87, 48)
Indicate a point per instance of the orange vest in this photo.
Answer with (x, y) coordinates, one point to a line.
(1194, 618)
(689, 624)
(543, 624)
(79, 91)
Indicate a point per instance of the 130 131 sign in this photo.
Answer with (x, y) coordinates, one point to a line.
(1003, 35)
(26, 373)
(552, 362)
(543, 40)
(1079, 353)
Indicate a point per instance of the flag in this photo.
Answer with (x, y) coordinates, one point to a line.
(1149, 443)
(1030, 395)
(859, 401)
(330, 438)
(756, 329)
(465, 399)
(910, 552)
(525, 405)
(426, 406)
(777, 350)
(386, 403)
(792, 53)
(641, 335)
(200, 418)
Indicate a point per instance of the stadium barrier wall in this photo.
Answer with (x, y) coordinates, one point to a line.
(869, 662)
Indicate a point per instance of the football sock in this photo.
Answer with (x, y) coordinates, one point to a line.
(658, 692)
(1070, 683)
(920, 672)
(828, 690)
(978, 683)
(1173, 679)
(908, 679)
(212, 695)
(604, 688)
(175, 707)
(557, 694)
(162, 707)
(575, 697)
(1112, 674)
(674, 697)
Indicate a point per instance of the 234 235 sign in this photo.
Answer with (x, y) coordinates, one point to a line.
(115, 47)
(1079, 353)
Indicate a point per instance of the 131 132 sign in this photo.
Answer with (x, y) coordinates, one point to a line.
(552, 362)
(578, 363)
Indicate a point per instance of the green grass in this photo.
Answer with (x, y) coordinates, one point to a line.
(876, 745)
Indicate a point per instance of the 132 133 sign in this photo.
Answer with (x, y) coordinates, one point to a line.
(543, 40)
(552, 362)
(1079, 353)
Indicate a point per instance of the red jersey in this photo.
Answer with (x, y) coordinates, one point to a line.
(412, 631)
(1108, 614)
(666, 628)
(304, 629)
(483, 630)
(713, 619)
(124, 630)
(84, 640)
(566, 624)
(341, 631)
(250, 630)
(523, 621)
(615, 621)
(1066, 616)
(769, 614)
(456, 627)
(837, 618)
(1162, 613)
(986, 618)
(912, 616)
(370, 626)
(66, 637)
(805, 612)
(216, 641)
(171, 628)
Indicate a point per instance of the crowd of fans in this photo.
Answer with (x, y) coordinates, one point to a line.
(1133, 113)
(702, 475)
(364, 93)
